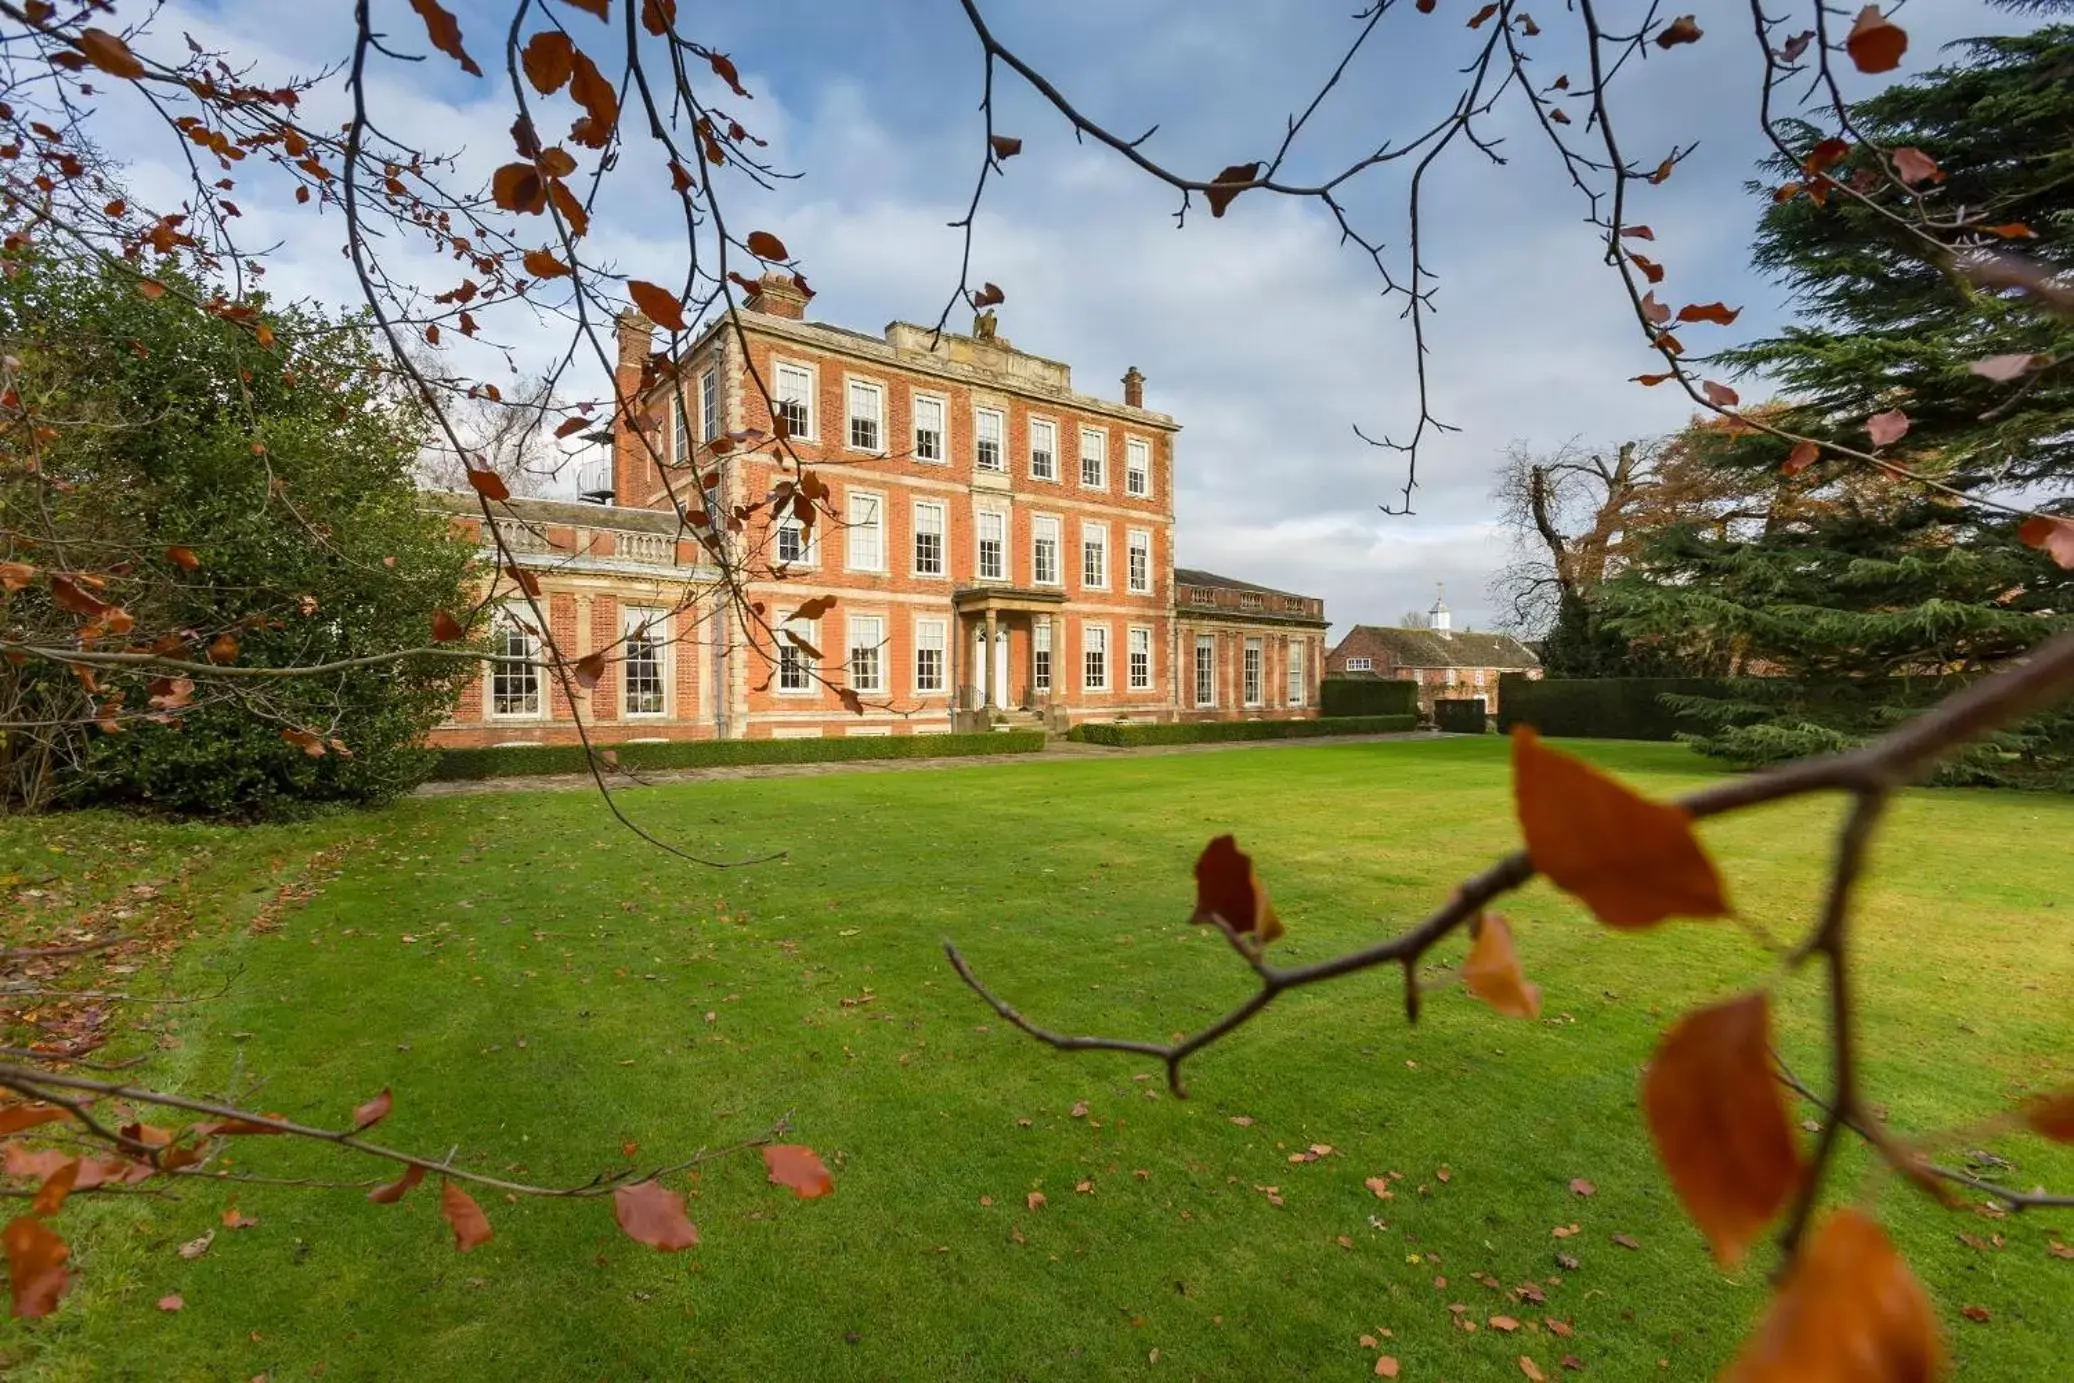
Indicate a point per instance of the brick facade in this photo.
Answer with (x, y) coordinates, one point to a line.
(1446, 663)
(896, 439)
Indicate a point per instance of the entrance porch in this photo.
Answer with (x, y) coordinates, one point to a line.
(1009, 659)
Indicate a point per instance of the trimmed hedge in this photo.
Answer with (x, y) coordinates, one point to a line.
(1613, 708)
(1368, 696)
(529, 759)
(1130, 736)
(1460, 715)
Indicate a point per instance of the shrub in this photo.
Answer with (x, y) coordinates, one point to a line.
(516, 760)
(1214, 731)
(1618, 708)
(1368, 696)
(1460, 715)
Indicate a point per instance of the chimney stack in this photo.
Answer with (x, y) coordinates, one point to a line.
(779, 295)
(1133, 388)
(633, 470)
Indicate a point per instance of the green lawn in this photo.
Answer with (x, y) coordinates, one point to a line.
(540, 988)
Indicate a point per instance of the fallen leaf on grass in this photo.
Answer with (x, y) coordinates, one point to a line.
(1381, 1187)
(1565, 1231)
(1504, 1323)
(1977, 1314)
(1532, 1370)
(1035, 1200)
(1243, 1120)
(1386, 1367)
(1626, 1241)
(170, 1302)
(1583, 1187)
(195, 1248)
(1079, 1109)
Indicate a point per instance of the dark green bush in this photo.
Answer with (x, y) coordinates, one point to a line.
(569, 758)
(1612, 708)
(1460, 715)
(1368, 696)
(1130, 736)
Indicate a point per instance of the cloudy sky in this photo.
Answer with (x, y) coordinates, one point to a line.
(1260, 332)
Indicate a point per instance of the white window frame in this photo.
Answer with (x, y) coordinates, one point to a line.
(1252, 664)
(1099, 455)
(853, 528)
(979, 532)
(1138, 657)
(1360, 665)
(932, 636)
(510, 623)
(855, 627)
(809, 543)
(810, 632)
(941, 516)
(1299, 685)
(1090, 530)
(1054, 527)
(943, 428)
(1041, 657)
(1137, 467)
(779, 370)
(1138, 575)
(709, 401)
(1094, 643)
(680, 428)
(1051, 449)
(874, 393)
(980, 413)
(1205, 643)
(633, 620)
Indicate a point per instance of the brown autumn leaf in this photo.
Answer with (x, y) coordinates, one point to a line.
(1848, 1309)
(36, 1275)
(471, 1227)
(796, 1166)
(519, 187)
(1803, 455)
(1875, 45)
(391, 1192)
(1583, 1187)
(1004, 145)
(2003, 368)
(1913, 166)
(589, 89)
(1508, 1324)
(238, 1128)
(1638, 233)
(1684, 29)
(73, 598)
(1386, 1367)
(815, 608)
(1721, 314)
(1532, 1370)
(2052, 1115)
(2050, 535)
(1979, 1315)
(764, 245)
(1492, 971)
(1651, 270)
(652, 1214)
(1718, 1118)
(445, 628)
(601, 8)
(1231, 182)
(588, 669)
(1651, 381)
(445, 32)
(2011, 230)
(658, 304)
(1720, 395)
(312, 744)
(549, 59)
(171, 1301)
(40, 1164)
(183, 558)
(488, 484)
(17, 1117)
(1035, 1200)
(571, 426)
(658, 15)
(50, 1197)
(1632, 861)
(1227, 891)
(724, 69)
(1888, 427)
(1664, 170)
(542, 264)
(234, 1218)
(223, 648)
(374, 1111)
(1476, 21)
(109, 53)
(1654, 312)
(555, 161)
(16, 576)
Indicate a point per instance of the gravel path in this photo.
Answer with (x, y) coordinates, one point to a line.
(1052, 752)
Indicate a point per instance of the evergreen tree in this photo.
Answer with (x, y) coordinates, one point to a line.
(1858, 594)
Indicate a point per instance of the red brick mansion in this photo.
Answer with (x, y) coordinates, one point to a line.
(989, 548)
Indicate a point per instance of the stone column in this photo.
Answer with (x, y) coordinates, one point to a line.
(1058, 655)
(987, 670)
